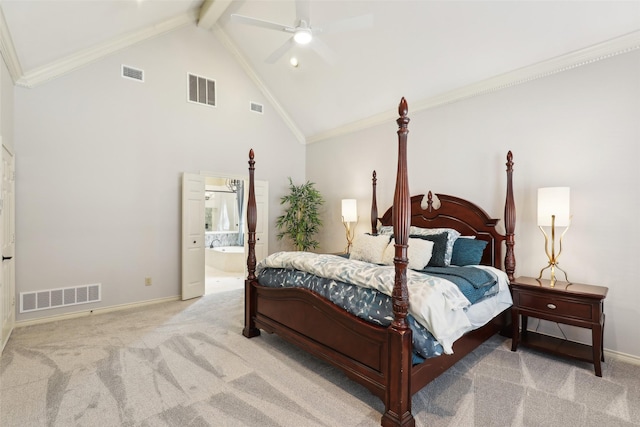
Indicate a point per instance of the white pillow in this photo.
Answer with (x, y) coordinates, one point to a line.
(369, 248)
(452, 235)
(419, 253)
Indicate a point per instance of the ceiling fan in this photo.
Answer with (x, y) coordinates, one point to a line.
(302, 33)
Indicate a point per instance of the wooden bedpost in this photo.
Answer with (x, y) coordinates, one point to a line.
(510, 221)
(374, 206)
(401, 221)
(398, 391)
(250, 329)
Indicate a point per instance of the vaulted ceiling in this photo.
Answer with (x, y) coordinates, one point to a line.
(432, 52)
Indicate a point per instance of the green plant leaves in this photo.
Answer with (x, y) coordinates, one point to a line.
(301, 220)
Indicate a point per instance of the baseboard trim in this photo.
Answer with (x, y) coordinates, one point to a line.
(623, 357)
(92, 312)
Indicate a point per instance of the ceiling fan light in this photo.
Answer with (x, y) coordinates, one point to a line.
(302, 36)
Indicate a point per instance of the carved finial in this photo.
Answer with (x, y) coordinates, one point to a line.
(375, 176)
(403, 109)
(429, 201)
(509, 161)
(251, 161)
(403, 120)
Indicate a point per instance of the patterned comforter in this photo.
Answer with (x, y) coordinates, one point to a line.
(436, 305)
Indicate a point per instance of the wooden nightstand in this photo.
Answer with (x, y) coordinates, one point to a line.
(569, 303)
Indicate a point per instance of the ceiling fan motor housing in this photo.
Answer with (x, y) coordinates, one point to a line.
(302, 35)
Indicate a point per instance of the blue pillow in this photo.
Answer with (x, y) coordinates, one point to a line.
(468, 251)
(439, 248)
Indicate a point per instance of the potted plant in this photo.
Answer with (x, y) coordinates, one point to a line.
(301, 221)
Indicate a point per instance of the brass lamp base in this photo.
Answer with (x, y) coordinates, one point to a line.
(553, 266)
(350, 232)
(553, 258)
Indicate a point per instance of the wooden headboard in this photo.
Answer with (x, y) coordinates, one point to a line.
(462, 215)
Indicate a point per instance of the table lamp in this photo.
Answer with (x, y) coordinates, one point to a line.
(349, 215)
(553, 211)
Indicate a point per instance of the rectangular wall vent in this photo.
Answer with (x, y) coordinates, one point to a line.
(132, 73)
(256, 108)
(201, 90)
(62, 297)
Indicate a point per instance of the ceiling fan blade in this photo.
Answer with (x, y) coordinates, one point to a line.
(277, 54)
(361, 22)
(323, 50)
(302, 10)
(260, 23)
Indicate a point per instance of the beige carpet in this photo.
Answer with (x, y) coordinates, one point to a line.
(187, 364)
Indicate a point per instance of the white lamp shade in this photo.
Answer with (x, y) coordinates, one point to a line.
(554, 201)
(349, 210)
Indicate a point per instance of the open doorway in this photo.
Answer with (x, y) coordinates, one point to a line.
(214, 241)
(224, 216)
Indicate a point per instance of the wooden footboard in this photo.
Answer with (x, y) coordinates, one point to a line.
(326, 331)
(353, 345)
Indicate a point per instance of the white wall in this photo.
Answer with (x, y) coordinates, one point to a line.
(100, 159)
(6, 106)
(579, 128)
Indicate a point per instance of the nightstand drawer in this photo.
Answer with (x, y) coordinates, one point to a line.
(556, 306)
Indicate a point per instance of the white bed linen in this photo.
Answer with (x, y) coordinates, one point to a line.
(480, 313)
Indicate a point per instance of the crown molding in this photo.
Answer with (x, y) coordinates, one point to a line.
(8, 51)
(232, 48)
(569, 61)
(84, 57)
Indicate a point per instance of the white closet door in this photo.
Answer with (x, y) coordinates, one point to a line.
(7, 242)
(193, 283)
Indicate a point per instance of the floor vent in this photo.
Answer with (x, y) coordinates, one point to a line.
(54, 298)
(132, 73)
(201, 90)
(256, 108)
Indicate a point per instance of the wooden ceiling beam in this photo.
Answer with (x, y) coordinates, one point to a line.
(210, 11)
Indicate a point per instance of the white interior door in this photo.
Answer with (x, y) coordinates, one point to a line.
(193, 284)
(7, 241)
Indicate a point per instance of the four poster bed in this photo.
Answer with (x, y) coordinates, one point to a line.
(385, 352)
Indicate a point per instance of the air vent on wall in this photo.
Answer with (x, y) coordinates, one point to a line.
(62, 297)
(201, 90)
(256, 108)
(132, 73)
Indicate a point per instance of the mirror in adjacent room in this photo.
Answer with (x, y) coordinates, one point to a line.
(222, 205)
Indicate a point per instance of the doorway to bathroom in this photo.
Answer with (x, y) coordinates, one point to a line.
(214, 231)
(226, 231)
(224, 234)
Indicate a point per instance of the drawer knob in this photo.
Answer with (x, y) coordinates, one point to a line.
(551, 306)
